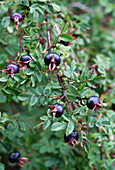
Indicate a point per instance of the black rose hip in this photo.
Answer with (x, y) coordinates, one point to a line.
(11, 69)
(16, 18)
(72, 138)
(56, 110)
(52, 60)
(25, 59)
(93, 102)
(15, 157)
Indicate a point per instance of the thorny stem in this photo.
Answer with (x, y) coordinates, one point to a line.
(48, 29)
(5, 147)
(63, 91)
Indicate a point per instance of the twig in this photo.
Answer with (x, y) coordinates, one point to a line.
(50, 46)
(48, 29)
(63, 91)
(20, 45)
(101, 152)
(5, 147)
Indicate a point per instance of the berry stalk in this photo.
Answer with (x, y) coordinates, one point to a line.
(5, 146)
(63, 91)
(20, 45)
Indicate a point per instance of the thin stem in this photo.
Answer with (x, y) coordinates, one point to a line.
(101, 152)
(63, 91)
(51, 46)
(5, 147)
(20, 41)
(48, 29)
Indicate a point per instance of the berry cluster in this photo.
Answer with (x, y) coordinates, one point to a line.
(52, 60)
(13, 68)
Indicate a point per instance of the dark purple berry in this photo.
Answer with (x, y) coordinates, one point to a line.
(71, 137)
(56, 110)
(12, 68)
(59, 108)
(25, 58)
(16, 17)
(92, 101)
(14, 157)
(48, 59)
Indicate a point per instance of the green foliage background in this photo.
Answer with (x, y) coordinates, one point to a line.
(25, 124)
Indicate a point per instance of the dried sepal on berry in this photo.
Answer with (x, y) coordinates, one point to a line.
(71, 139)
(14, 157)
(94, 102)
(11, 69)
(52, 60)
(56, 110)
(16, 18)
(24, 61)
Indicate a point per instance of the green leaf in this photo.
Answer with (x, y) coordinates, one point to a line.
(3, 79)
(100, 79)
(22, 125)
(58, 126)
(46, 124)
(73, 90)
(44, 117)
(47, 91)
(5, 22)
(39, 90)
(23, 97)
(42, 0)
(4, 119)
(91, 124)
(65, 37)
(39, 76)
(98, 124)
(56, 7)
(55, 86)
(2, 98)
(38, 125)
(70, 127)
(18, 77)
(106, 123)
(67, 74)
(33, 81)
(93, 119)
(73, 66)
(83, 93)
(3, 42)
(26, 2)
(71, 97)
(92, 75)
(33, 100)
(83, 75)
(29, 71)
(2, 166)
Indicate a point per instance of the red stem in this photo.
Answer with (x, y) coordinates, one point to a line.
(20, 44)
(63, 91)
